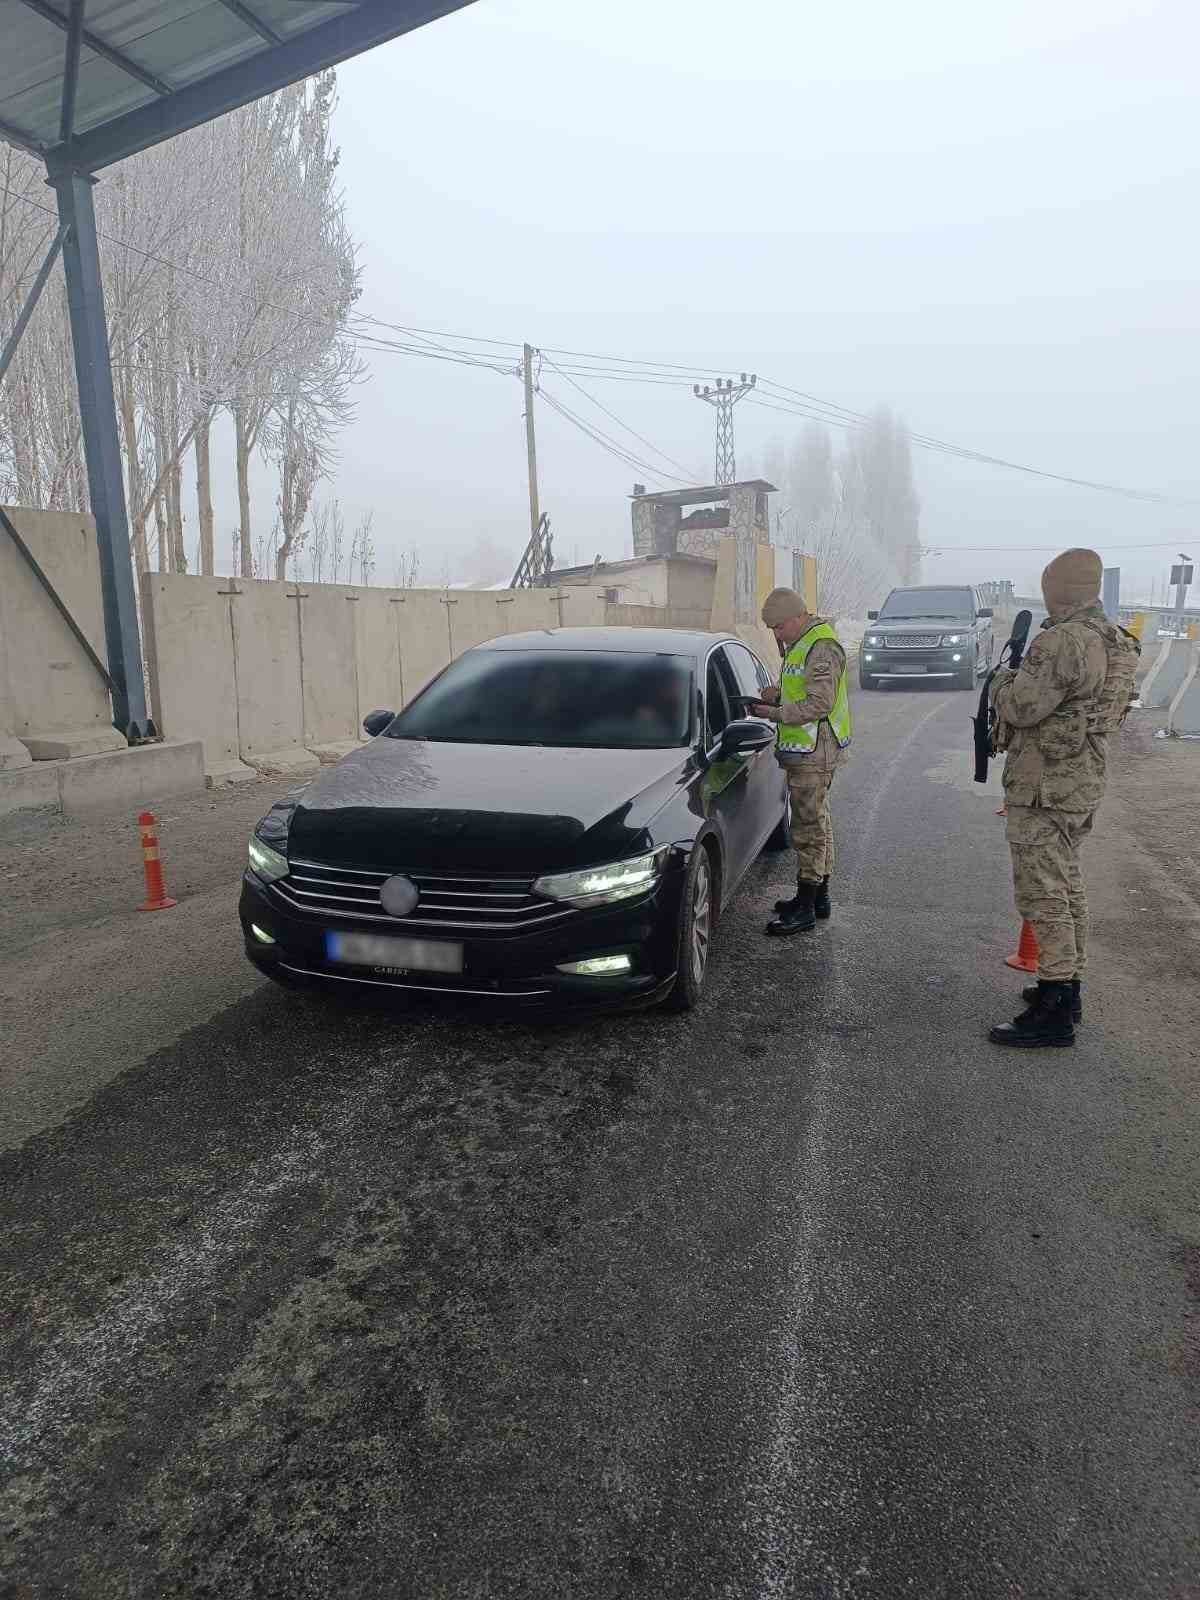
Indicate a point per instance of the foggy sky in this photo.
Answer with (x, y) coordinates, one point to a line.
(982, 217)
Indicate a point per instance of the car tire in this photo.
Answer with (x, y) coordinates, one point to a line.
(697, 904)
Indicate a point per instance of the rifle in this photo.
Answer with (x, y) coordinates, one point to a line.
(985, 719)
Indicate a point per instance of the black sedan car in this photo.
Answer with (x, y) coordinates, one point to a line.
(557, 817)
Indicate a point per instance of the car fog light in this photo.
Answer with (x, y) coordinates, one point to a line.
(956, 658)
(261, 934)
(597, 967)
(868, 657)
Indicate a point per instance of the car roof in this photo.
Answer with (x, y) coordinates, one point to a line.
(627, 641)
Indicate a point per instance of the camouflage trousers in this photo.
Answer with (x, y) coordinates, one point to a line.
(812, 825)
(1048, 885)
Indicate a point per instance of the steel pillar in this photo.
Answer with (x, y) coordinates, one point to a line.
(102, 450)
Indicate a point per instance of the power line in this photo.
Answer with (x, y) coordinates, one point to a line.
(627, 369)
(606, 441)
(600, 406)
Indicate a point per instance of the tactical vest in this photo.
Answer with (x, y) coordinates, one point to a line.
(1113, 702)
(800, 738)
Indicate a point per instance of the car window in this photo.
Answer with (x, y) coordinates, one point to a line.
(953, 605)
(571, 699)
(716, 700)
(744, 669)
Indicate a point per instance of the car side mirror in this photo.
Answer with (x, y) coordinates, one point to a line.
(745, 735)
(376, 721)
(872, 616)
(985, 611)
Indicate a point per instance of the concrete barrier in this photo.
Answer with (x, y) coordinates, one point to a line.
(378, 670)
(52, 698)
(270, 701)
(1183, 717)
(1167, 672)
(424, 638)
(327, 620)
(187, 623)
(119, 780)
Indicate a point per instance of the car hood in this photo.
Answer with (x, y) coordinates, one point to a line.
(921, 625)
(411, 805)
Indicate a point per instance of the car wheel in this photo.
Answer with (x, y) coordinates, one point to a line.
(696, 906)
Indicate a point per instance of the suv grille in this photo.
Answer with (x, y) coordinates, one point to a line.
(461, 905)
(912, 641)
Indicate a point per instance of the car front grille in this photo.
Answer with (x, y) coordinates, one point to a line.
(488, 905)
(912, 641)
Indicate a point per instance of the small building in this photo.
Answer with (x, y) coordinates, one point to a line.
(680, 582)
(664, 526)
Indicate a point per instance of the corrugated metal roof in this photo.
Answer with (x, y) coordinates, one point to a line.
(140, 53)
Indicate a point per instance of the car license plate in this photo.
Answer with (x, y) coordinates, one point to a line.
(910, 668)
(398, 955)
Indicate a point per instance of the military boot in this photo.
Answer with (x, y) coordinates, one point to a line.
(1030, 995)
(821, 906)
(795, 916)
(1047, 1022)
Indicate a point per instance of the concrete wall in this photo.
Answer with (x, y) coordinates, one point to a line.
(52, 700)
(274, 678)
(623, 616)
(690, 584)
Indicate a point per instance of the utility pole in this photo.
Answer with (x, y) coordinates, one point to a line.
(723, 399)
(535, 516)
(1181, 577)
(537, 561)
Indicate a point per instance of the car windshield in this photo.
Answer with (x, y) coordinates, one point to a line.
(580, 699)
(933, 605)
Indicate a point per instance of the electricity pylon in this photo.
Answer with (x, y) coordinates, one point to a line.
(723, 399)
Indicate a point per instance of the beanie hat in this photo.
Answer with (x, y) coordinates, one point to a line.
(1072, 579)
(782, 605)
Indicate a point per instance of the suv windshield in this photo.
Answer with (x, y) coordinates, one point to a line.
(952, 605)
(581, 699)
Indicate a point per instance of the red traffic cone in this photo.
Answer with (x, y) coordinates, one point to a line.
(157, 898)
(1026, 957)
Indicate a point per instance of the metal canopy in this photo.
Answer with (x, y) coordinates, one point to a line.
(84, 83)
(148, 69)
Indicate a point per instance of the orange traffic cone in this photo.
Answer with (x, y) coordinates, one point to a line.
(1026, 957)
(157, 898)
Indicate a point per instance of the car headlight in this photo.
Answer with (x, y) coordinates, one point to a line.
(873, 638)
(599, 886)
(268, 864)
(952, 638)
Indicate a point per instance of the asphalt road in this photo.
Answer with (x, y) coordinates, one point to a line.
(813, 1293)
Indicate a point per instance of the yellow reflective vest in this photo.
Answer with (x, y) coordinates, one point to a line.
(800, 738)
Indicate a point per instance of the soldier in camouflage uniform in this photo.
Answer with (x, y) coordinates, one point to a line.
(811, 709)
(1054, 716)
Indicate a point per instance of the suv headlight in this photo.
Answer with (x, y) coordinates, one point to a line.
(268, 864)
(873, 638)
(954, 638)
(599, 886)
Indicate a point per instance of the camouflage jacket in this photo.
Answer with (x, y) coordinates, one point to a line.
(1054, 760)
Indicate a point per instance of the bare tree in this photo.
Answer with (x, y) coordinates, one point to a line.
(362, 549)
(855, 512)
(406, 569)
